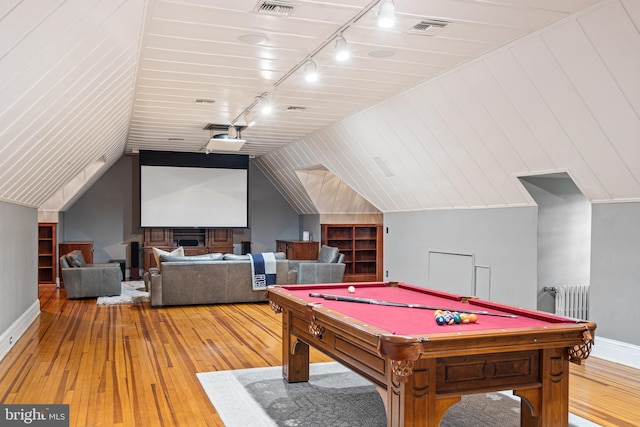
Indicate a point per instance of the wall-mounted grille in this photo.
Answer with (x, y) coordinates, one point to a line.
(275, 7)
(428, 27)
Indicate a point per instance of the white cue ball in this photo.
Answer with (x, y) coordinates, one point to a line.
(351, 289)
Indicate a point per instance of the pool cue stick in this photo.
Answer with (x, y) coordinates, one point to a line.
(401, 304)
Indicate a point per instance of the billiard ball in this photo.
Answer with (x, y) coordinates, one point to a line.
(351, 289)
(440, 320)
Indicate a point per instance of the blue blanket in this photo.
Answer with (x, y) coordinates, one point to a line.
(263, 270)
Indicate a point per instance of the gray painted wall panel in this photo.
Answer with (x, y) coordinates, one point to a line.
(504, 240)
(615, 270)
(18, 262)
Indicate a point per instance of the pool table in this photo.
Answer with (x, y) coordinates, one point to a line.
(389, 336)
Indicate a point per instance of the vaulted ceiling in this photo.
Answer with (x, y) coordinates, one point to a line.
(421, 116)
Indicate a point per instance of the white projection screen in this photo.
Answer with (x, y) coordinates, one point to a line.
(193, 197)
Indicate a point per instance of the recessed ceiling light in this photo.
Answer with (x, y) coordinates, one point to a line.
(253, 38)
(381, 53)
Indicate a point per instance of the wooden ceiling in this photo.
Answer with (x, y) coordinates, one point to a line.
(412, 120)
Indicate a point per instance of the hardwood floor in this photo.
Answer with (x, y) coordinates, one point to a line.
(133, 365)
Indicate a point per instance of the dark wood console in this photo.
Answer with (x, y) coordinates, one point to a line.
(304, 250)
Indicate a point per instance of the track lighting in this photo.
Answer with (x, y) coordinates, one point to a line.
(341, 49)
(249, 119)
(386, 14)
(265, 106)
(310, 71)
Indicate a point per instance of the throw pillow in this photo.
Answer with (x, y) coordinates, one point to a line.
(328, 254)
(192, 258)
(76, 259)
(157, 252)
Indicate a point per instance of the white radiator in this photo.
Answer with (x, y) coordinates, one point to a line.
(572, 301)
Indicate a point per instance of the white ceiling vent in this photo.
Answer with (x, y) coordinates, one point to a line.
(204, 101)
(275, 7)
(295, 108)
(428, 27)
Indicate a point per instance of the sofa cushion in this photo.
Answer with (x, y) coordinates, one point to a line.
(191, 258)
(328, 254)
(234, 257)
(76, 259)
(176, 252)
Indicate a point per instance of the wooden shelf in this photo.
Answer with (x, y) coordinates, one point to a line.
(361, 245)
(47, 262)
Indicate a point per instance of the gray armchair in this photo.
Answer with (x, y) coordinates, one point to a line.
(328, 268)
(82, 280)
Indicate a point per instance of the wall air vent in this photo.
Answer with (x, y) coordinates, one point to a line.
(428, 27)
(275, 7)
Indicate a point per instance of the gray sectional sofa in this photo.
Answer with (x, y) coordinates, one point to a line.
(208, 279)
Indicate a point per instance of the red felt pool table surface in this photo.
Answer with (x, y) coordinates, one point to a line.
(422, 368)
(417, 321)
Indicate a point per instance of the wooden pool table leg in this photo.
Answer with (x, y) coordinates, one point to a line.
(413, 402)
(548, 405)
(295, 353)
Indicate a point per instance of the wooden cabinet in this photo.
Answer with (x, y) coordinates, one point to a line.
(47, 257)
(195, 241)
(304, 250)
(361, 245)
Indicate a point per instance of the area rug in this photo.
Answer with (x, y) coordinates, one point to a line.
(335, 396)
(132, 293)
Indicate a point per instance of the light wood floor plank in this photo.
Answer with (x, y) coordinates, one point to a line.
(133, 365)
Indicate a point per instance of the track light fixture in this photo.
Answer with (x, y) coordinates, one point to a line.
(386, 19)
(249, 119)
(387, 14)
(341, 49)
(311, 71)
(232, 132)
(264, 105)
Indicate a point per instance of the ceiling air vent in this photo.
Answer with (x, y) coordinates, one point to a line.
(428, 27)
(295, 108)
(275, 7)
(204, 101)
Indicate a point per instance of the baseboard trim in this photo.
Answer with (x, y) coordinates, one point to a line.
(18, 328)
(617, 351)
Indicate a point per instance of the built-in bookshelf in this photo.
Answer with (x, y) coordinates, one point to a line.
(47, 259)
(361, 245)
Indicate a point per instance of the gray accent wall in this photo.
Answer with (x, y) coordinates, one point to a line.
(615, 271)
(104, 214)
(502, 242)
(271, 217)
(18, 262)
